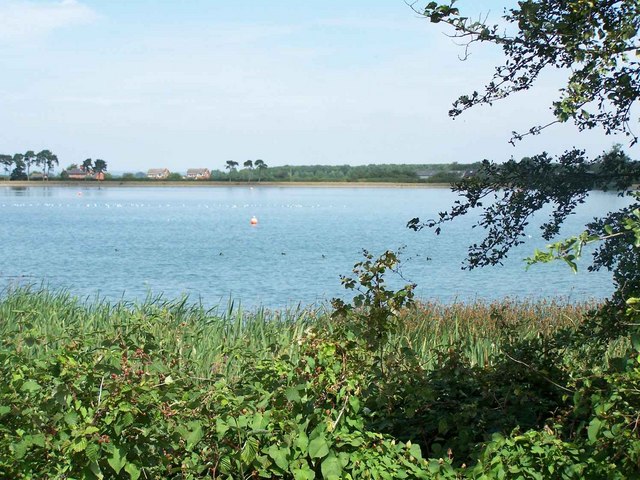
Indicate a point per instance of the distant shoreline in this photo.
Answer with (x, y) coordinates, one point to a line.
(209, 184)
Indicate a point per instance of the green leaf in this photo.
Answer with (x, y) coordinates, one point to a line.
(30, 386)
(354, 402)
(92, 452)
(250, 450)
(415, 451)
(90, 430)
(195, 435)
(304, 473)
(71, 418)
(132, 470)
(225, 464)
(117, 460)
(302, 442)
(19, 449)
(279, 455)
(221, 428)
(4, 410)
(95, 469)
(258, 421)
(331, 468)
(443, 426)
(292, 395)
(318, 447)
(594, 428)
(79, 445)
(37, 439)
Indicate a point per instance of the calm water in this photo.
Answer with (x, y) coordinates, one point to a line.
(132, 242)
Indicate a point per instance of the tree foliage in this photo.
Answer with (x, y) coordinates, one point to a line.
(597, 42)
(46, 160)
(511, 193)
(260, 165)
(99, 166)
(87, 165)
(6, 161)
(406, 173)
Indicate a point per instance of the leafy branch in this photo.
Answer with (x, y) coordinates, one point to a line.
(570, 249)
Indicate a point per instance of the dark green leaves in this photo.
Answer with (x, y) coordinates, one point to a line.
(595, 40)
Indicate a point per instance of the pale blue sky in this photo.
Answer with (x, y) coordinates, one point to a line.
(182, 84)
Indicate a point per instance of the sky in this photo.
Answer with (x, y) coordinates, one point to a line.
(181, 84)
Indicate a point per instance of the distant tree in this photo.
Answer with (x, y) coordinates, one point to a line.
(6, 161)
(174, 177)
(87, 166)
(99, 166)
(46, 160)
(18, 160)
(51, 162)
(29, 159)
(18, 172)
(40, 161)
(249, 166)
(260, 165)
(231, 166)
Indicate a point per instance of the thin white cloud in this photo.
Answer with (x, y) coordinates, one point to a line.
(97, 101)
(364, 23)
(23, 20)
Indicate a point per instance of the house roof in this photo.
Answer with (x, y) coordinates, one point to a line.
(155, 171)
(196, 171)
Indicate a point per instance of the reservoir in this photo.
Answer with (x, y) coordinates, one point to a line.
(133, 242)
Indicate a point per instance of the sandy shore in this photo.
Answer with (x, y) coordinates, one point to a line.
(206, 184)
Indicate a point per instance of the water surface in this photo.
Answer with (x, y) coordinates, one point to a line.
(129, 242)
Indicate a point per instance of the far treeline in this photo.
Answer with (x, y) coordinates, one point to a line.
(31, 166)
(405, 173)
(20, 166)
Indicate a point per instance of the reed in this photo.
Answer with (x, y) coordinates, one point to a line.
(219, 341)
(224, 341)
(478, 329)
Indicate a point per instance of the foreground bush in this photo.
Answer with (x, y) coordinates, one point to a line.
(133, 391)
(124, 403)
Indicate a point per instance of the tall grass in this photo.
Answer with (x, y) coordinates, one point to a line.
(478, 329)
(219, 341)
(227, 340)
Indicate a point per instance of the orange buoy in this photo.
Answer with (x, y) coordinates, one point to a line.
(253, 221)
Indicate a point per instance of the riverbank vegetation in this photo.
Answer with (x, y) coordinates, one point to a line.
(168, 389)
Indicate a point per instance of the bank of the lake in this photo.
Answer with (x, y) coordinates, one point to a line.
(201, 183)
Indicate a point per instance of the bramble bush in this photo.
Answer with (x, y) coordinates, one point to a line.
(126, 407)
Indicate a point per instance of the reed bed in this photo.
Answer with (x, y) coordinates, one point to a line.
(224, 341)
(478, 329)
(220, 340)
